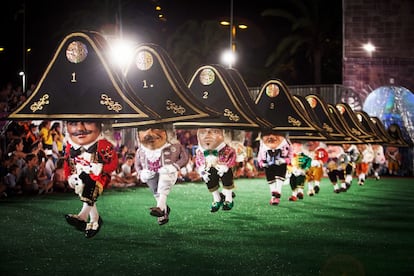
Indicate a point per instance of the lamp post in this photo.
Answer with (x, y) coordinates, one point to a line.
(230, 56)
(23, 75)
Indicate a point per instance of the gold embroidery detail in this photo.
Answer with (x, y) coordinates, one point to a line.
(294, 121)
(39, 105)
(327, 128)
(355, 131)
(231, 115)
(175, 107)
(110, 104)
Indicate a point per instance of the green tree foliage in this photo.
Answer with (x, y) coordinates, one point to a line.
(196, 43)
(313, 43)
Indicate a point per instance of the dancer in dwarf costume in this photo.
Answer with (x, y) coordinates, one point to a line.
(89, 161)
(337, 159)
(275, 153)
(352, 155)
(393, 157)
(158, 160)
(379, 160)
(298, 168)
(317, 151)
(214, 161)
(364, 162)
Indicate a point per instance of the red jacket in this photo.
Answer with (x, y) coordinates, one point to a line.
(106, 155)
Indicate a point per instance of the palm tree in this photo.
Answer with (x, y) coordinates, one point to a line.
(196, 43)
(313, 34)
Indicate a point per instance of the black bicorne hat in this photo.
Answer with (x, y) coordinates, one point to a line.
(286, 114)
(155, 80)
(81, 84)
(366, 121)
(330, 122)
(395, 132)
(353, 125)
(224, 91)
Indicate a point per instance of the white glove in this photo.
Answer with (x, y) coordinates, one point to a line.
(298, 172)
(167, 169)
(96, 168)
(76, 183)
(146, 175)
(280, 161)
(205, 175)
(265, 165)
(315, 163)
(221, 169)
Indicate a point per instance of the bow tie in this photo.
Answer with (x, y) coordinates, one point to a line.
(210, 152)
(81, 150)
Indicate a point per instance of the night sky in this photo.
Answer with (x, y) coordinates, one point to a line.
(48, 22)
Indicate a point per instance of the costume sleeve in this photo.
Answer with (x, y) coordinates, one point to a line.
(66, 166)
(261, 155)
(182, 157)
(137, 163)
(199, 160)
(232, 155)
(109, 156)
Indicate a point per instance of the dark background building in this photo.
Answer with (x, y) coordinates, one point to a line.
(389, 26)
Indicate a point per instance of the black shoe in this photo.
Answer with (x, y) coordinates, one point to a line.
(156, 212)
(227, 206)
(223, 197)
(93, 228)
(165, 218)
(316, 189)
(215, 206)
(76, 222)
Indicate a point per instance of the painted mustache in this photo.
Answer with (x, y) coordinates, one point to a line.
(150, 138)
(81, 132)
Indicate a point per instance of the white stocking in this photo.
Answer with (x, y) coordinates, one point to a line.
(94, 213)
(84, 213)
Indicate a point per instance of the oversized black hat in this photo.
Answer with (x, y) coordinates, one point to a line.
(357, 137)
(329, 120)
(286, 115)
(319, 134)
(395, 132)
(389, 140)
(353, 125)
(81, 84)
(155, 80)
(225, 91)
(366, 121)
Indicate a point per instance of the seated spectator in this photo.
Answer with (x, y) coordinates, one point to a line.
(189, 172)
(250, 170)
(10, 181)
(126, 177)
(60, 182)
(50, 164)
(43, 179)
(29, 173)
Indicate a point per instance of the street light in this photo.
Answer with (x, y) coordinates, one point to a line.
(23, 75)
(230, 57)
(233, 29)
(369, 48)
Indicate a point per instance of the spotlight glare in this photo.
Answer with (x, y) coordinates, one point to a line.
(122, 52)
(369, 47)
(229, 58)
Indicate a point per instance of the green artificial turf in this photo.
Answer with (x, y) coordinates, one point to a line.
(368, 230)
